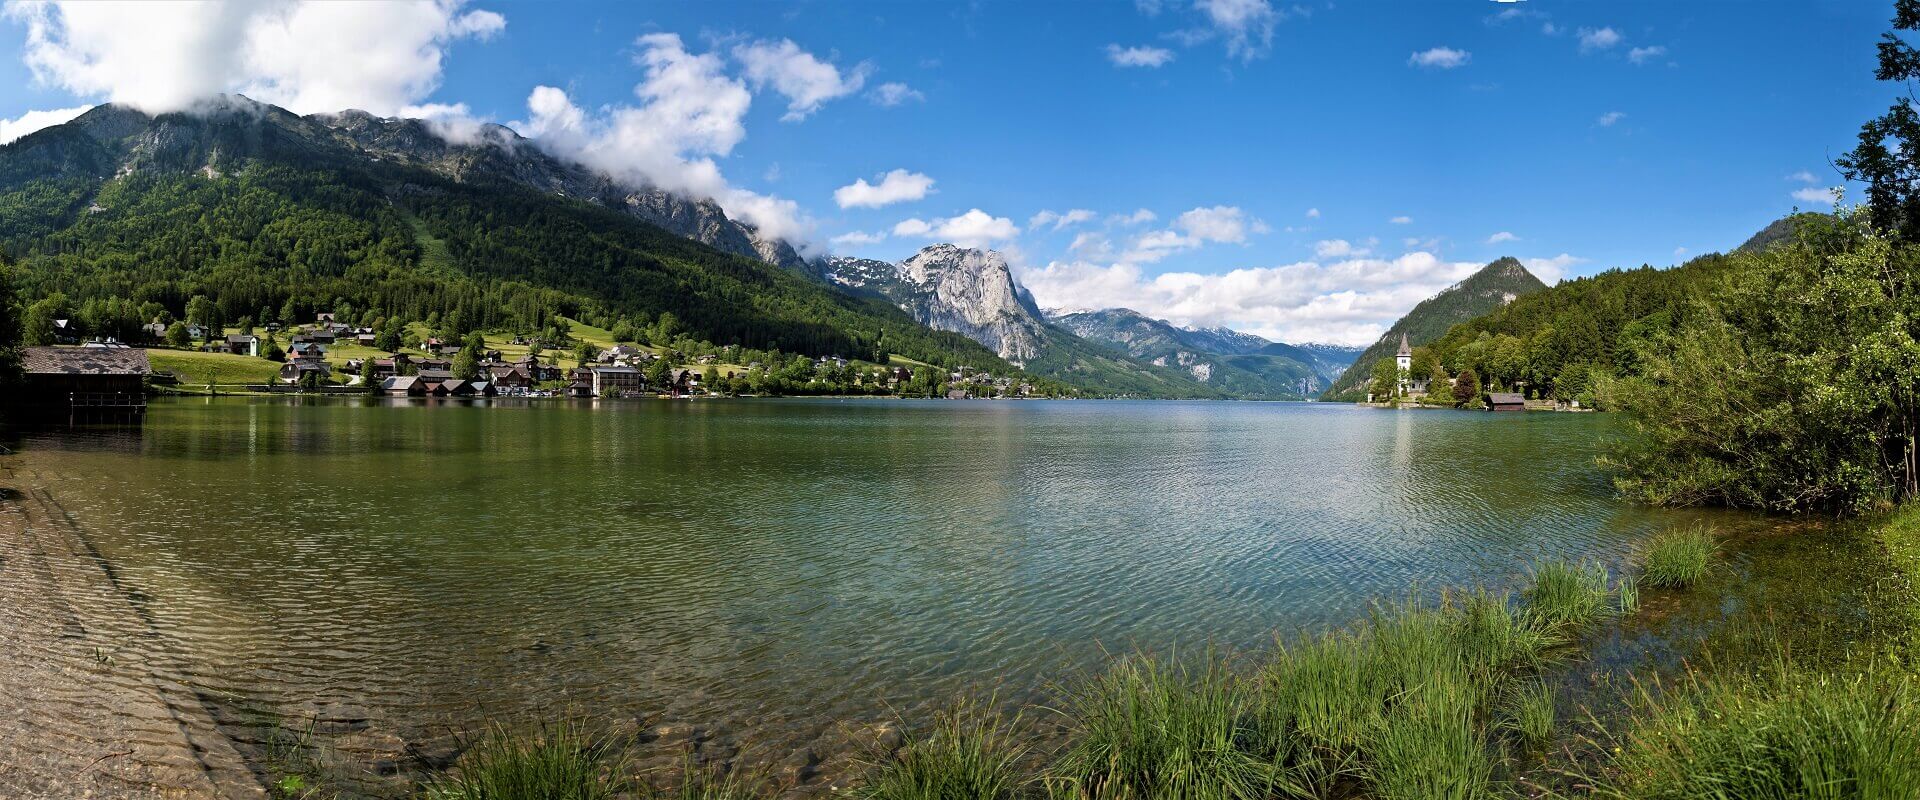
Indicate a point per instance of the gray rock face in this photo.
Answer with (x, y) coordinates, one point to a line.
(950, 288)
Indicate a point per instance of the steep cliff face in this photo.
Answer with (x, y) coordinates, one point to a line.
(950, 288)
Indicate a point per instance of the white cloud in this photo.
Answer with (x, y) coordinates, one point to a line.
(1138, 217)
(306, 55)
(1804, 176)
(1139, 56)
(1816, 195)
(1642, 55)
(1440, 58)
(975, 229)
(1608, 119)
(898, 186)
(11, 129)
(1048, 217)
(1592, 40)
(1313, 213)
(1336, 248)
(1551, 270)
(806, 81)
(1247, 25)
(1351, 301)
(888, 95)
(1550, 29)
(1502, 236)
(690, 113)
(1401, 220)
(1218, 224)
(858, 239)
(1679, 251)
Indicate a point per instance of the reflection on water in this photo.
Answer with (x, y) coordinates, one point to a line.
(788, 564)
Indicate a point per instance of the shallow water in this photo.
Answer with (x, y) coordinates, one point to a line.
(786, 565)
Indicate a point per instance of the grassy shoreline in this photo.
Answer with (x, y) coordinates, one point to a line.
(1475, 695)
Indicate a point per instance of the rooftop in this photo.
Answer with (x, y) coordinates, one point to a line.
(84, 361)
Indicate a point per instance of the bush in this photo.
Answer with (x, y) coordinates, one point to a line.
(561, 763)
(1677, 558)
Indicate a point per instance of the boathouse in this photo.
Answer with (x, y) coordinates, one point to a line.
(85, 377)
(1506, 401)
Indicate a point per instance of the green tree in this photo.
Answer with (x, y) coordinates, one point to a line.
(1439, 386)
(245, 324)
(1386, 379)
(10, 329)
(710, 378)
(269, 350)
(624, 332)
(1793, 389)
(585, 352)
(389, 337)
(177, 335)
(38, 321)
(201, 311)
(659, 373)
(466, 363)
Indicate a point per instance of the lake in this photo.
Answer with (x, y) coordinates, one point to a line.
(786, 565)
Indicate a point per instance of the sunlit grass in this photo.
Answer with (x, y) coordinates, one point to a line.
(1678, 558)
(558, 763)
(1568, 596)
(1783, 733)
(969, 753)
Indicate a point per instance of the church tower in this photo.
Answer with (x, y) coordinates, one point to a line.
(1404, 360)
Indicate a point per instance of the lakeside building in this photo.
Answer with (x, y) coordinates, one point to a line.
(84, 377)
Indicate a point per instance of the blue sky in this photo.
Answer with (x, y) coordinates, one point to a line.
(1310, 170)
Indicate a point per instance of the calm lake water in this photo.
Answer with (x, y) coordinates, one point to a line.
(786, 565)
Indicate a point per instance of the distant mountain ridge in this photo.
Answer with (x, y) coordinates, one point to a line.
(1239, 364)
(1492, 287)
(974, 293)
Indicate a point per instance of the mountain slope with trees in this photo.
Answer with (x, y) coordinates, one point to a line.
(1495, 285)
(274, 216)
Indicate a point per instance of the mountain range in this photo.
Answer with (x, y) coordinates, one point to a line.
(262, 209)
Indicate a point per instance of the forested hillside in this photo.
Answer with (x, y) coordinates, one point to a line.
(272, 216)
(1495, 285)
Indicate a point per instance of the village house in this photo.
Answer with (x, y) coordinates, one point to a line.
(433, 363)
(511, 377)
(297, 370)
(614, 380)
(243, 344)
(366, 339)
(682, 381)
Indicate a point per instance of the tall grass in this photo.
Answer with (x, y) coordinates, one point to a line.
(710, 783)
(1529, 715)
(1679, 557)
(557, 763)
(971, 753)
(1155, 728)
(1567, 596)
(1784, 733)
